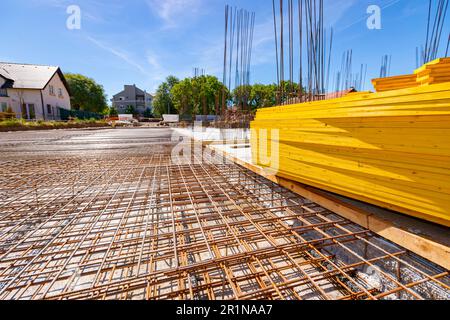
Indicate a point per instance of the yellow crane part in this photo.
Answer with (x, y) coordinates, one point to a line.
(390, 148)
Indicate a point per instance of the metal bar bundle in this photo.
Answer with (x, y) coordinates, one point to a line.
(239, 35)
(306, 41)
(437, 13)
(389, 149)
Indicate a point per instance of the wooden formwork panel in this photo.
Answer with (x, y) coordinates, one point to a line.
(389, 149)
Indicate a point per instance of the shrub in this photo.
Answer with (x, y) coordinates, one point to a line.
(113, 112)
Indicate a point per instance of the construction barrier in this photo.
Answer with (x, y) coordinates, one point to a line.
(390, 148)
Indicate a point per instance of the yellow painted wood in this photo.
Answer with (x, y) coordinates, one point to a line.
(390, 148)
(434, 72)
(394, 83)
(433, 64)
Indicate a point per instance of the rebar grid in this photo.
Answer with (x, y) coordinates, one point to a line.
(137, 225)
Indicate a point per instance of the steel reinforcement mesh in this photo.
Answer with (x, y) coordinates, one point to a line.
(137, 225)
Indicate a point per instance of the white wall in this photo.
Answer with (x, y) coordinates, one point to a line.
(55, 100)
(26, 96)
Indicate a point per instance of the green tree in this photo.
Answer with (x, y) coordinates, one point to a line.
(163, 102)
(200, 95)
(130, 110)
(148, 113)
(183, 96)
(257, 96)
(263, 96)
(289, 91)
(241, 96)
(113, 112)
(87, 95)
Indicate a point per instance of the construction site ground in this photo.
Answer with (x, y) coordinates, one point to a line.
(115, 214)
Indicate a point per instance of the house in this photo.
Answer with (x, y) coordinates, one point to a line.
(33, 92)
(132, 96)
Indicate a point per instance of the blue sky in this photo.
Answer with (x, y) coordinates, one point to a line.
(142, 41)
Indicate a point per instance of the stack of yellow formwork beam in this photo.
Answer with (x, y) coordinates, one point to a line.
(434, 72)
(390, 149)
(437, 71)
(395, 83)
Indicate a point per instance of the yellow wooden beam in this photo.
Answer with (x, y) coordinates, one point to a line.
(390, 149)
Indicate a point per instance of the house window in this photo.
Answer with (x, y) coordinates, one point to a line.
(4, 107)
(28, 111)
(49, 109)
(31, 111)
(3, 93)
(51, 89)
(60, 93)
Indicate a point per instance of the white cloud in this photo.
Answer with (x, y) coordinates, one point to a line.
(153, 61)
(151, 68)
(119, 54)
(171, 10)
(157, 71)
(336, 9)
